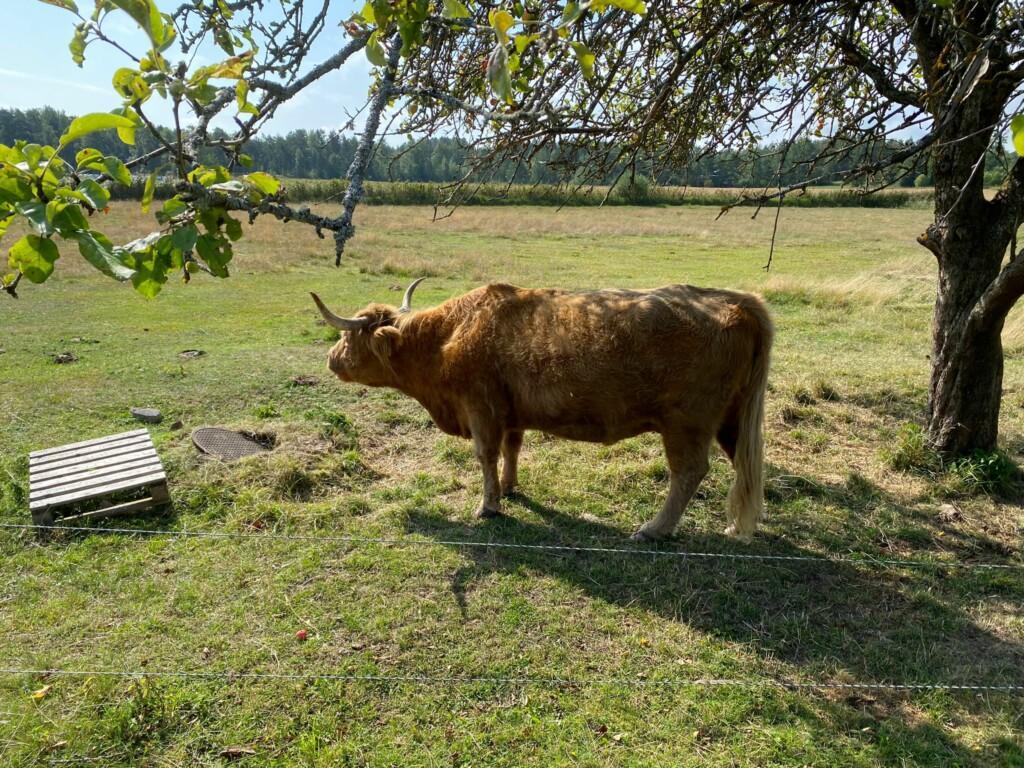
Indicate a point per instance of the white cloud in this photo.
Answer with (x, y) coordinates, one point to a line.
(54, 81)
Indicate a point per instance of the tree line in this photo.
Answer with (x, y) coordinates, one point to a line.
(321, 154)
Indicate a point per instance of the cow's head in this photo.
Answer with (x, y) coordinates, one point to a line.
(364, 352)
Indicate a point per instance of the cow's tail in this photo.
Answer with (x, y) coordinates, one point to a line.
(746, 497)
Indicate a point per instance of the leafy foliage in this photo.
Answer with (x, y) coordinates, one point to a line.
(592, 89)
(59, 199)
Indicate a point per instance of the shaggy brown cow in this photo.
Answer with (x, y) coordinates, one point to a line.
(688, 363)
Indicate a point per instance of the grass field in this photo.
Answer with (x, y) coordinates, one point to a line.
(850, 292)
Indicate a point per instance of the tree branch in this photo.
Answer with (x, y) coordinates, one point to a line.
(858, 58)
(364, 151)
(277, 209)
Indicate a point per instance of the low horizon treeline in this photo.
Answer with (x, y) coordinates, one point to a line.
(324, 155)
(639, 193)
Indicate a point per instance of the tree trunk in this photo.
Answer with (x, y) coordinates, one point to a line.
(967, 360)
(969, 239)
(967, 351)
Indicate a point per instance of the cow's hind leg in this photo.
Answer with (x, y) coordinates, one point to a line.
(728, 437)
(687, 455)
(510, 445)
(487, 443)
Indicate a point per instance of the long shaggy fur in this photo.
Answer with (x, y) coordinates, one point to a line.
(689, 363)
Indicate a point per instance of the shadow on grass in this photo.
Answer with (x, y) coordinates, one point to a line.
(929, 526)
(869, 623)
(902, 405)
(833, 620)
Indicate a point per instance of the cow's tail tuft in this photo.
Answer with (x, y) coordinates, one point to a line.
(746, 497)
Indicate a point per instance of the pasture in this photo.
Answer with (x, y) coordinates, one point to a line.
(851, 295)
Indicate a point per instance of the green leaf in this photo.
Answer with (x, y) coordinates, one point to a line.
(93, 194)
(34, 256)
(453, 9)
(150, 276)
(233, 228)
(110, 165)
(501, 20)
(69, 221)
(242, 98)
(1017, 129)
(216, 252)
(411, 34)
(585, 58)
(174, 257)
(99, 251)
(381, 12)
(148, 17)
(127, 134)
(33, 155)
(264, 182)
(498, 74)
(15, 189)
(88, 158)
(66, 4)
(54, 208)
(206, 176)
(202, 94)
(117, 170)
(148, 191)
(375, 52)
(131, 85)
(570, 13)
(633, 6)
(245, 160)
(522, 41)
(171, 208)
(229, 69)
(78, 43)
(97, 121)
(184, 239)
(35, 212)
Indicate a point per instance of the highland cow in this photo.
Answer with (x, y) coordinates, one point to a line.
(600, 366)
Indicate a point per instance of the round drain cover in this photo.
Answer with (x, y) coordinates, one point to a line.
(224, 443)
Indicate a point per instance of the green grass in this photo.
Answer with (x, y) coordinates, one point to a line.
(850, 292)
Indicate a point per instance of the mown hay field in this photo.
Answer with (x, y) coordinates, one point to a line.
(850, 291)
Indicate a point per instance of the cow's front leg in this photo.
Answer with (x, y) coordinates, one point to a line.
(687, 455)
(510, 445)
(487, 443)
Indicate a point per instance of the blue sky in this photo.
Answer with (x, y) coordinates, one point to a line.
(36, 69)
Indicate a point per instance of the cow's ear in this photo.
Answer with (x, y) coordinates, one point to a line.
(384, 341)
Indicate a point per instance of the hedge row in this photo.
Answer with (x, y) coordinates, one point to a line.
(422, 193)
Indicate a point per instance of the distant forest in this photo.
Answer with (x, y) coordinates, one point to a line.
(319, 154)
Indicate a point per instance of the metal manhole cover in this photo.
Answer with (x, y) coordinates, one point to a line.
(224, 443)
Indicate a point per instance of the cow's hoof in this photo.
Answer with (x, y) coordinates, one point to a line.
(485, 513)
(509, 491)
(744, 538)
(644, 535)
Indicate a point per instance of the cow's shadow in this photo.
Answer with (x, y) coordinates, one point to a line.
(862, 623)
(828, 619)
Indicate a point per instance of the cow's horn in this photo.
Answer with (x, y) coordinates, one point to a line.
(342, 323)
(407, 299)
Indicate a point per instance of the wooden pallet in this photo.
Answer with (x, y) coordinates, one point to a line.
(64, 477)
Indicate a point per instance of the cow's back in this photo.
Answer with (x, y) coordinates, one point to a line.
(602, 365)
